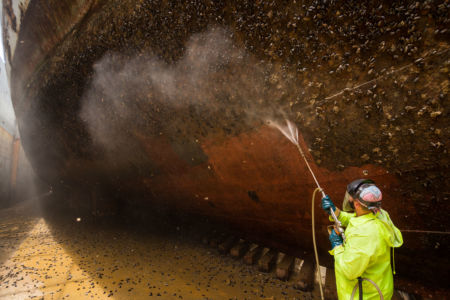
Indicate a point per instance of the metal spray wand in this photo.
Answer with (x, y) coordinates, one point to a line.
(293, 137)
(337, 223)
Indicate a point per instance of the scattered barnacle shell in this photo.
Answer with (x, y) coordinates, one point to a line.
(422, 110)
(393, 149)
(435, 114)
(365, 157)
(335, 109)
(437, 145)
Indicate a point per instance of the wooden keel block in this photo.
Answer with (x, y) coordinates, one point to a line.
(330, 285)
(304, 279)
(225, 246)
(253, 255)
(284, 268)
(267, 261)
(240, 249)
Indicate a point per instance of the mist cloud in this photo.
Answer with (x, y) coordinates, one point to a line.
(216, 85)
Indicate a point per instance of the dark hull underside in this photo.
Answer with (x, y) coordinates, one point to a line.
(164, 106)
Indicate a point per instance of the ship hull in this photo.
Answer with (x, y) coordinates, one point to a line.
(165, 106)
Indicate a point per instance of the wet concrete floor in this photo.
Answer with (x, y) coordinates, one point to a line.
(42, 258)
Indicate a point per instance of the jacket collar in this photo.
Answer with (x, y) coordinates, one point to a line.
(355, 221)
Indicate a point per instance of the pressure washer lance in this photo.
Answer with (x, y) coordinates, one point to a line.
(337, 223)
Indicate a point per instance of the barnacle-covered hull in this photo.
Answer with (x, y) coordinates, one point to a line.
(164, 106)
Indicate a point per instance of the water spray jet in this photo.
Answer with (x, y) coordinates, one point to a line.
(290, 131)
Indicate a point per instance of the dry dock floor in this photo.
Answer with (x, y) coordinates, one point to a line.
(41, 259)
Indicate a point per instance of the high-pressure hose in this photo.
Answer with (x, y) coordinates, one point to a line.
(314, 242)
(368, 280)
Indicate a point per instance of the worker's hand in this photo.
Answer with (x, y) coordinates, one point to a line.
(335, 239)
(327, 204)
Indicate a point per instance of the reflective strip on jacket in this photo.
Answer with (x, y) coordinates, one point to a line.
(366, 253)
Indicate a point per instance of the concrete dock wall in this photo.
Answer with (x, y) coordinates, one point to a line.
(16, 174)
(6, 144)
(23, 187)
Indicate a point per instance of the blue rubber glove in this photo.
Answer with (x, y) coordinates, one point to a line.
(335, 239)
(327, 203)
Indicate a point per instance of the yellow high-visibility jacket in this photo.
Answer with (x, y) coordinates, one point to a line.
(366, 253)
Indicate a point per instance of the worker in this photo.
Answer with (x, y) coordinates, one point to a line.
(369, 237)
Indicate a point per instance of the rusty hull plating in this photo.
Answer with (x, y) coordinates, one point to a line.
(197, 149)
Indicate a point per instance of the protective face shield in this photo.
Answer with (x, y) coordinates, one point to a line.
(365, 192)
(347, 204)
(352, 192)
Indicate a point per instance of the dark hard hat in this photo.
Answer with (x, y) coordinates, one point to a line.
(353, 187)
